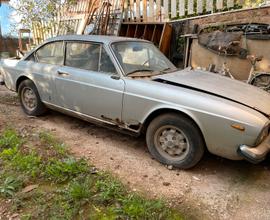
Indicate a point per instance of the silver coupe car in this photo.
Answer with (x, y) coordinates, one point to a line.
(129, 85)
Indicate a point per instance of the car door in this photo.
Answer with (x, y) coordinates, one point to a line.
(89, 83)
(42, 65)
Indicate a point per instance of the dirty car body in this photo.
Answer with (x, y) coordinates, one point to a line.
(108, 80)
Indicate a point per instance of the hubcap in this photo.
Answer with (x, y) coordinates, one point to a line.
(29, 99)
(171, 143)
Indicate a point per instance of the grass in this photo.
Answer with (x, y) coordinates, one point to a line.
(67, 187)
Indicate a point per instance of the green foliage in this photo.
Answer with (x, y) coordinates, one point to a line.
(109, 189)
(29, 163)
(9, 186)
(10, 139)
(50, 141)
(34, 11)
(80, 189)
(66, 169)
(9, 153)
(78, 193)
(253, 3)
(136, 207)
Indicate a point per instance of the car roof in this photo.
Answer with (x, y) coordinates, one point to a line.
(96, 38)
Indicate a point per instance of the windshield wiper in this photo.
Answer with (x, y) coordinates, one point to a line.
(142, 70)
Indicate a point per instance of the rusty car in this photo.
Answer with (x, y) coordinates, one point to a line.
(129, 85)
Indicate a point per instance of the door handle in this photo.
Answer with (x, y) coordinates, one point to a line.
(62, 73)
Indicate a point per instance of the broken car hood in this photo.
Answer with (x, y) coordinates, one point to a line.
(221, 86)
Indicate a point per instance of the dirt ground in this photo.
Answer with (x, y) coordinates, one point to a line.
(214, 189)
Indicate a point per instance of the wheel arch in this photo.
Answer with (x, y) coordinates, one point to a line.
(21, 79)
(161, 111)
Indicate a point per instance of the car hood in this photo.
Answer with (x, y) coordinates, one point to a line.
(220, 86)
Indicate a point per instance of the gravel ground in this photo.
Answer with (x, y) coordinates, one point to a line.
(214, 189)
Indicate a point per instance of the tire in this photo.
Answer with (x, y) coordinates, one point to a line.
(175, 140)
(30, 99)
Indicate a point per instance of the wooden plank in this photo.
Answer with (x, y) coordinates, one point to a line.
(219, 4)
(182, 8)
(190, 7)
(131, 6)
(144, 10)
(166, 9)
(173, 8)
(126, 10)
(151, 10)
(199, 6)
(209, 5)
(158, 10)
(165, 40)
(137, 11)
(230, 3)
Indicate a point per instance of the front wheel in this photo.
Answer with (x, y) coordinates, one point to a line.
(175, 140)
(29, 99)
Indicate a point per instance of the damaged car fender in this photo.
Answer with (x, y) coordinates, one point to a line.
(214, 119)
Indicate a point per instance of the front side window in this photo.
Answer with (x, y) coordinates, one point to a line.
(141, 57)
(88, 56)
(52, 53)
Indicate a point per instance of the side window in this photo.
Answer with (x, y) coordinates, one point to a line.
(31, 58)
(52, 53)
(106, 64)
(83, 55)
(88, 56)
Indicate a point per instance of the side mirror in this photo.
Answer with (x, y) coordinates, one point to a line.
(115, 77)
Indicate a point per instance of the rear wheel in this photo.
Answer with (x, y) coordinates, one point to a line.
(29, 99)
(175, 140)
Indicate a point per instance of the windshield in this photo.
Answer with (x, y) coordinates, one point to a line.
(141, 57)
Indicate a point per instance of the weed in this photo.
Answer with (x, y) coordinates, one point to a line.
(66, 169)
(10, 139)
(29, 163)
(9, 153)
(9, 187)
(50, 141)
(109, 189)
(80, 189)
(77, 192)
(103, 214)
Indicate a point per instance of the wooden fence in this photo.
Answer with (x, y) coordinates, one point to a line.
(165, 10)
(132, 11)
(67, 21)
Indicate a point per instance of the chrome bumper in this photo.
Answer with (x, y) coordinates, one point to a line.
(2, 82)
(255, 154)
